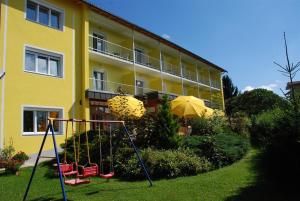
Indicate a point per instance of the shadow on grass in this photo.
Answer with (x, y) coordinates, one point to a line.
(266, 189)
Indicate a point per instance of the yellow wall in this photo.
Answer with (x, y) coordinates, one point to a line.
(173, 87)
(151, 82)
(22, 88)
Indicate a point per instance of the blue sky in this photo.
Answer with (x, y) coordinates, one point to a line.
(243, 36)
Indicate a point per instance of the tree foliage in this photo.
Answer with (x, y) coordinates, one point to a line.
(254, 102)
(229, 89)
(167, 126)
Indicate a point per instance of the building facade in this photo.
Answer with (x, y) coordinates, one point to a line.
(66, 58)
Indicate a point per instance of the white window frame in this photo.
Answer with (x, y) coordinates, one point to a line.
(49, 54)
(50, 7)
(40, 108)
(104, 76)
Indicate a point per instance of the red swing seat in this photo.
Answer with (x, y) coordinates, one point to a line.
(67, 169)
(89, 171)
(107, 176)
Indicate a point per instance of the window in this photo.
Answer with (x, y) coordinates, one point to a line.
(99, 43)
(99, 81)
(43, 62)
(44, 14)
(35, 120)
(31, 11)
(55, 19)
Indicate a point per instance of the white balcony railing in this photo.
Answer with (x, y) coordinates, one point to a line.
(115, 87)
(170, 68)
(105, 47)
(146, 60)
(215, 84)
(203, 80)
(189, 75)
(111, 87)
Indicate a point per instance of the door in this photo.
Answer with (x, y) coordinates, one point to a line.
(139, 56)
(98, 43)
(139, 86)
(99, 81)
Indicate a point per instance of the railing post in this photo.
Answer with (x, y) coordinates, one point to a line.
(197, 77)
(161, 67)
(181, 74)
(210, 86)
(134, 71)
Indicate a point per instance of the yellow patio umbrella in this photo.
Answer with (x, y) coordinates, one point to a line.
(126, 107)
(189, 107)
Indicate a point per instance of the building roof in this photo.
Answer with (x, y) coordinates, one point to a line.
(295, 83)
(148, 33)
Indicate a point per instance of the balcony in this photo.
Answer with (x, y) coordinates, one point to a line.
(171, 69)
(146, 60)
(203, 80)
(98, 85)
(189, 75)
(103, 51)
(215, 84)
(102, 46)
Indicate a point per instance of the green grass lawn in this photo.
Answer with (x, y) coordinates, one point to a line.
(228, 183)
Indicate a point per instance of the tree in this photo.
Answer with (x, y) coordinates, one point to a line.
(289, 70)
(254, 102)
(229, 89)
(166, 126)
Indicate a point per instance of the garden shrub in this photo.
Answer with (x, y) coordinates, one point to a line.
(240, 123)
(231, 146)
(277, 132)
(10, 161)
(264, 127)
(221, 149)
(208, 126)
(160, 163)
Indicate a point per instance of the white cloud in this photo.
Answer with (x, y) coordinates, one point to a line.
(166, 36)
(270, 87)
(248, 88)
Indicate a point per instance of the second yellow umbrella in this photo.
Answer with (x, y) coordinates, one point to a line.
(189, 107)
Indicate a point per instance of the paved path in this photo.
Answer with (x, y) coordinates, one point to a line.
(32, 159)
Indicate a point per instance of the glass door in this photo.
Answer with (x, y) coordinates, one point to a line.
(98, 43)
(99, 81)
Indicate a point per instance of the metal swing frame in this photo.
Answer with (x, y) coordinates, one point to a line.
(51, 130)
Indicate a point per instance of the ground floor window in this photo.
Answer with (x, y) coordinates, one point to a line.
(35, 120)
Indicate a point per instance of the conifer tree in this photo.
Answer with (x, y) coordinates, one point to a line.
(167, 126)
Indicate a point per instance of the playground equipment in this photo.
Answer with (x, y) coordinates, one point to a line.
(111, 166)
(71, 169)
(88, 170)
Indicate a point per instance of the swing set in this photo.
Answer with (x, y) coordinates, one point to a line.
(72, 172)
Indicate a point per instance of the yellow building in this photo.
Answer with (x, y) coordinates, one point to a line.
(66, 58)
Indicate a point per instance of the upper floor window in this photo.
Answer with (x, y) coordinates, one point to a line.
(42, 62)
(44, 14)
